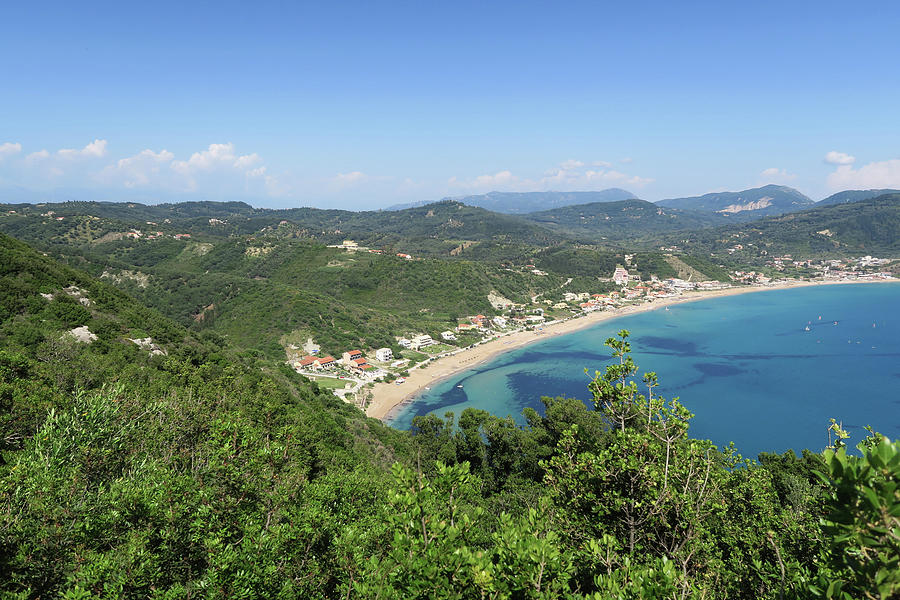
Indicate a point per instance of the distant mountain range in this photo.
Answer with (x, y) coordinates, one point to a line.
(746, 204)
(519, 203)
(452, 226)
(854, 196)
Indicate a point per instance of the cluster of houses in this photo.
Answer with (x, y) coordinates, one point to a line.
(864, 267)
(352, 246)
(352, 361)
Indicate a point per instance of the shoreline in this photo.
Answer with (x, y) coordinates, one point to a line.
(388, 397)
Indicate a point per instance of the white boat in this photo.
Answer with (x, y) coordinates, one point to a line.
(459, 386)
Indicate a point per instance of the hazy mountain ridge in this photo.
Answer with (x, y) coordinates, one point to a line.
(854, 196)
(518, 203)
(746, 204)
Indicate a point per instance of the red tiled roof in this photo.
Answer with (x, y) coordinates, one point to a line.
(307, 360)
(326, 360)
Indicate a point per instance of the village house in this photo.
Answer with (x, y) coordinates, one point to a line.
(620, 276)
(404, 343)
(348, 357)
(305, 363)
(325, 362)
(499, 321)
(448, 335)
(384, 354)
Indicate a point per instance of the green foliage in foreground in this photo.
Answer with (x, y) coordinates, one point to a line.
(206, 474)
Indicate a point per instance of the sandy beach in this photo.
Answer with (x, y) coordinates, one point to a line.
(388, 396)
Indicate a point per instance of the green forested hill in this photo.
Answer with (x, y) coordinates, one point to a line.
(623, 220)
(854, 196)
(255, 291)
(279, 280)
(852, 229)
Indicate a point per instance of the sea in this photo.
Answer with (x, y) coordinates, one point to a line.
(765, 370)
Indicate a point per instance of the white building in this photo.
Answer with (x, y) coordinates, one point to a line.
(422, 341)
(620, 276)
(384, 354)
(404, 343)
(448, 335)
(499, 321)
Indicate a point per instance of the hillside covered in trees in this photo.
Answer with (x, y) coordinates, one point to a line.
(182, 467)
(870, 226)
(254, 278)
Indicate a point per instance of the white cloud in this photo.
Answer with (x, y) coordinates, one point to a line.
(350, 178)
(569, 175)
(775, 175)
(142, 169)
(612, 177)
(36, 156)
(247, 161)
(96, 149)
(884, 174)
(486, 182)
(216, 155)
(839, 158)
(571, 164)
(9, 148)
(601, 163)
(217, 169)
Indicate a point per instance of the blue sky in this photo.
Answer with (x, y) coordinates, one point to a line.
(363, 105)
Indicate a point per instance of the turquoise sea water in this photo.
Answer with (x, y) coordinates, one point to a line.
(745, 365)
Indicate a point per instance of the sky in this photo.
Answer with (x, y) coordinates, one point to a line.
(365, 105)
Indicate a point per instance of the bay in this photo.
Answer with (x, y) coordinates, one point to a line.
(746, 365)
